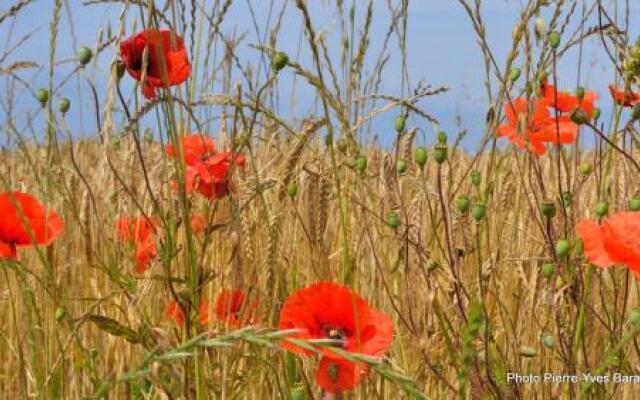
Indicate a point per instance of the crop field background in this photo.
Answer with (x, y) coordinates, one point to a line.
(345, 199)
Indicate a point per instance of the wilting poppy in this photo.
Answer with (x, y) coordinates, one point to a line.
(174, 312)
(530, 125)
(25, 222)
(615, 241)
(328, 310)
(233, 309)
(196, 148)
(624, 97)
(337, 375)
(141, 232)
(566, 102)
(166, 60)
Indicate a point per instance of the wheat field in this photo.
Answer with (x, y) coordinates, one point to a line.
(213, 240)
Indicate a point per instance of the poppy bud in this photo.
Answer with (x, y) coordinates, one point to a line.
(361, 163)
(596, 113)
(578, 116)
(562, 247)
(442, 137)
(554, 39)
(476, 178)
(394, 220)
(401, 166)
(64, 105)
(634, 204)
(440, 153)
(635, 111)
(548, 209)
(420, 156)
(528, 351)
(634, 318)
(118, 69)
(60, 313)
(462, 202)
(580, 93)
(342, 145)
(43, 96)
(292, 189)
(548, 270)
(279, 61)
(585, 168)
(514, 74)
(84, 55)
(567, 199)
(548, 340)
(479, 210)
(602, 209)
(400, 123)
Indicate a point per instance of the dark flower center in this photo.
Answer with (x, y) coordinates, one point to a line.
(335, 333)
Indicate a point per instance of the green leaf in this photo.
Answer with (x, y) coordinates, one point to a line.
(115, 328)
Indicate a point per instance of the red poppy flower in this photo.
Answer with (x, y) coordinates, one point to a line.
(174, 312)
(339, 375)
(166, 61)
(196, 148)
(198, 224)
(233, 310)
(141, 232)
(529, 125)
(625, 98)
(567, 102)
(615, 241)
(25, 222)
(327, 310)
(210, 177)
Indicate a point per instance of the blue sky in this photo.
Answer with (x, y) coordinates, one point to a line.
(442, 51)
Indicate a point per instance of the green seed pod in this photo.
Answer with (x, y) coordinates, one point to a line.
(84, 55)
(462, 203)
(635, 111)
(559, 282)
(548, 209)
(476, 178)
(60, 313)
(342, 145)
(578, 247)
(548, 270)
(118, 69)
(115, 142)
(292, 189)
(420, 156)
(566, 199)
(400, 123)
(514, 74)
(585, 168)
(596, 113)
(602, 209)
(554, 39)
(64, 105)
(634, 204)
(401, 166)
(634, 317)
(479, 211)
(527, 351)
(394, 220)
(297, 392)
(279, 61)
(578, 116)
(562, 247)
(548, 340)
(440, 153)
(361, 163)
(442, 137)
(93, 353)
(580, 92)
(328, 140)
(432, 265)
(43, 96)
